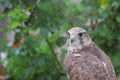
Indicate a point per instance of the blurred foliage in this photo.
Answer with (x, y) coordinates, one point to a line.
(40, 26)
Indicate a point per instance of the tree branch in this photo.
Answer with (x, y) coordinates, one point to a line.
(53, 52)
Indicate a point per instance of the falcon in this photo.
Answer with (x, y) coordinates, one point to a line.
(84, 59)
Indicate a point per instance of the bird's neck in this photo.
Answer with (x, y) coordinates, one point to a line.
(77, 49)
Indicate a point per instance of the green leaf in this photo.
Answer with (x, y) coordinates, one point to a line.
(14, 24)
(6, 3)
(40, 62)
(44, 32)
(63, 78)
(118, 18)
(49, 77)
(60, 41)
(28, 72)
(118, 37)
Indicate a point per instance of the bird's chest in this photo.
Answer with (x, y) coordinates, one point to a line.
(72, 60)
(81, 61)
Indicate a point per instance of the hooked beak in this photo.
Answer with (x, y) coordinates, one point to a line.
(72, 39)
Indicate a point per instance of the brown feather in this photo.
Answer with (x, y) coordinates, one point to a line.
(92, 64)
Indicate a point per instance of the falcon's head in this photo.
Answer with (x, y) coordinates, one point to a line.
(77, 38)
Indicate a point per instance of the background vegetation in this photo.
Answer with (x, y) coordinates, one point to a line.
(40, 25)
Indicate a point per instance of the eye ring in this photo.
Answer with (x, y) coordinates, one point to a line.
(80, 34)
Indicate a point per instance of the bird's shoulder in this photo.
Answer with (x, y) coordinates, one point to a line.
(89, 61)
(86, 66)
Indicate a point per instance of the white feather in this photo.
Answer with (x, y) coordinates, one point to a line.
(76, 55)
(104, 64)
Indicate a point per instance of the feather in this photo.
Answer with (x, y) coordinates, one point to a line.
(88, 62)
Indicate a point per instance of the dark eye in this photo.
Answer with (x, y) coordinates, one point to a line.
(80, 34)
